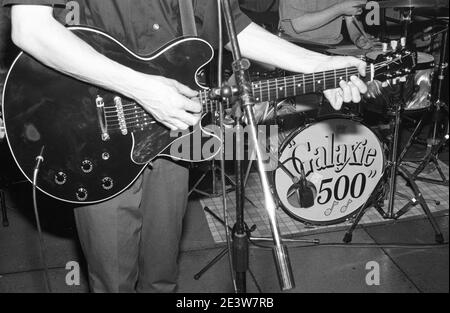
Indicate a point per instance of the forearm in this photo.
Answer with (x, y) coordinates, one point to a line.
(312, 21)
(259, 45)
(58, 48)
(352, 29)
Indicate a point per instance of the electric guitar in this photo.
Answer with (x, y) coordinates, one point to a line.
(97, 142)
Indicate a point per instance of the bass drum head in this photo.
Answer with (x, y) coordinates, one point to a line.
(342, 159)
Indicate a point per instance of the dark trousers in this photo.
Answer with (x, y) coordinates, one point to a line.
(131, 242)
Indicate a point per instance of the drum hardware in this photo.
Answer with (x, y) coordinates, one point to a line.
(213, 170)
(389, 180)
(434, 144)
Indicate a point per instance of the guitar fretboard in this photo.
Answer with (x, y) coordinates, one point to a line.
(284, 87)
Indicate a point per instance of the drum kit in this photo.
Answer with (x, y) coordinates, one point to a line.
(345, 165)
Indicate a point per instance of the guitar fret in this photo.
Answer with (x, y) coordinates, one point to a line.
(314, 82)
(261, 93)
(335, 79)
(324, 81)
(304, 84)
(211, 105)
(253, 91)
(295, 86)
(201, 100)
(276, 87)
(285, 88)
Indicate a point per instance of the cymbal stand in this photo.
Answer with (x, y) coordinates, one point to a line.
(389, 179)
(435, 145)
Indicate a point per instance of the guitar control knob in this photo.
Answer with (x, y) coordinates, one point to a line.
(82, 194)
(106, 156)
(107, 183)
(87, 166)
(60, 178)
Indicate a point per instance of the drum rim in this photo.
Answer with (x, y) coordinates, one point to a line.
(289, 139)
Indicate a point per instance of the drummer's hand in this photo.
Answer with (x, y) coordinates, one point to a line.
(352, 7)
(350, 91)
(2, 130)
(366, 42)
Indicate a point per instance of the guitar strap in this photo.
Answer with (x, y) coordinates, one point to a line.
(187, 18)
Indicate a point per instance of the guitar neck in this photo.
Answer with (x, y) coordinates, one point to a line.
(290, 86)
(300, 84)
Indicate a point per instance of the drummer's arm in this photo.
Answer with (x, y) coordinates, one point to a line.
(314, 20)
(361, 40)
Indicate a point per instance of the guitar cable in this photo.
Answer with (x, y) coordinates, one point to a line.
(42, 246)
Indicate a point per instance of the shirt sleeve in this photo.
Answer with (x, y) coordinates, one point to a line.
(288, 12)
(206, 11)
(55, 3)
(241, 20)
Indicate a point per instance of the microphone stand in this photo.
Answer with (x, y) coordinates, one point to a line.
(245, 108)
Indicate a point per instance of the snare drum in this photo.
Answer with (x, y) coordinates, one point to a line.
(420, 89)
(344, 161)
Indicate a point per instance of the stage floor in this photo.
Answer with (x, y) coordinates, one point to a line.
(316, 269)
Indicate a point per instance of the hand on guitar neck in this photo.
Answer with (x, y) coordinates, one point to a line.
(350, 91)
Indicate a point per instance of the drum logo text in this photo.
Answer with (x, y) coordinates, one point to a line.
(334, 155)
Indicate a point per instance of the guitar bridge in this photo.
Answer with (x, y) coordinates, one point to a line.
(102, 118)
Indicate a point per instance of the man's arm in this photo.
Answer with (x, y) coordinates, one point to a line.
(259, 45)
(36, 32)
(315, 20)
(362, 41)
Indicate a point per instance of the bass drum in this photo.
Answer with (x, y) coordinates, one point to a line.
(341, 158)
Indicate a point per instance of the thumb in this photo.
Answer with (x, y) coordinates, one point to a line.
(335, 98)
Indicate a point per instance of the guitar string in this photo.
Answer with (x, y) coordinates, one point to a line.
(290, 79)
(290, 83)
(209, 104)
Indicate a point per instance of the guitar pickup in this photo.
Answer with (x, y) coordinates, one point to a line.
(102, 118)
(121, 116)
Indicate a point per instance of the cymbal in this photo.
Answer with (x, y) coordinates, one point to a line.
(413, 4)
(432, 12)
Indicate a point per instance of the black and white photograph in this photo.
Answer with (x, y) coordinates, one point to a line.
(228, 154)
